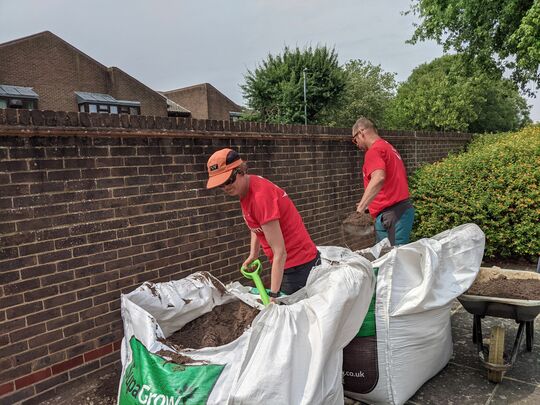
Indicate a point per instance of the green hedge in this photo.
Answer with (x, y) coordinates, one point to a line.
(494, 184)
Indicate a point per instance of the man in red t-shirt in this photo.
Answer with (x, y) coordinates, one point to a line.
(386, 192)
(273, 219)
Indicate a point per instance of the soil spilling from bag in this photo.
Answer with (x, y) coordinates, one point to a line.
(218, 327)
(503, 287)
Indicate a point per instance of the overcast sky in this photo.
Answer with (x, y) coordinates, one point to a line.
(179, 43)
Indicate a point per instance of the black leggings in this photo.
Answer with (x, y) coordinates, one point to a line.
(296, 277)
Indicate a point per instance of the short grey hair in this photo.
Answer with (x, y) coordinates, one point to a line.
(366, 123)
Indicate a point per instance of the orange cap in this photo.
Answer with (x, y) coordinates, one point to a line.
(220, 166)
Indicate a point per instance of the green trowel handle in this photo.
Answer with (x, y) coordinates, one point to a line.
(254, 275)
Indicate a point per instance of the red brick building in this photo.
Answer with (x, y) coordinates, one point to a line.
(55, 71)
(205, 102)
(42, 71)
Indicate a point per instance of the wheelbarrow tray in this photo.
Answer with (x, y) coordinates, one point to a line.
(518, 309)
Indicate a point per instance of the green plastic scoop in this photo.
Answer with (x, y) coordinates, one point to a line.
(254, 275)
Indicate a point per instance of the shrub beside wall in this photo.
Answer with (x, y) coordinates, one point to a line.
(495, 184)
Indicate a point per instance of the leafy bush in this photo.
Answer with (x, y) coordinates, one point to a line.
(494, 184)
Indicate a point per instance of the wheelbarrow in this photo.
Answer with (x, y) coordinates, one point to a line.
(522, 311)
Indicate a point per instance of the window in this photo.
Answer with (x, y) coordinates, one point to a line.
(81, 107)
(9, 102)
(134, 110)
(103, 108)
(114, 109)
(92, 108)
(18, 97)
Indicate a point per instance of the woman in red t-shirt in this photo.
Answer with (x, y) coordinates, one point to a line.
(272, 218)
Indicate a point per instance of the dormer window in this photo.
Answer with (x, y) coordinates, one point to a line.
(104, 103)
(18, 97)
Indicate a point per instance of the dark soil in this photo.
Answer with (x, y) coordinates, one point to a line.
(503, 287)
(218, 327)
(175, 357)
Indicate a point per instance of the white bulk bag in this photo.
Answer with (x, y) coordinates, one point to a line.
(292, 354)
(416, 284)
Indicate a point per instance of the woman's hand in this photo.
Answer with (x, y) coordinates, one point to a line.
(248, 261)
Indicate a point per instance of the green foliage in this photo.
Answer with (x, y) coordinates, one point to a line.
(368, 91)
(448, 95)
(495, 184)
(505, 34)
(275, 90)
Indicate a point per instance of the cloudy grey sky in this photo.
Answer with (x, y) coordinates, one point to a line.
(178, 43)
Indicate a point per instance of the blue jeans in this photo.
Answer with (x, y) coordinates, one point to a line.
(403, 228)
(296, 277)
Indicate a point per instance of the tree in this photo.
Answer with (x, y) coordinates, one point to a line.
(446, 95)
(275, 90)
(504, 34)
(368, 91)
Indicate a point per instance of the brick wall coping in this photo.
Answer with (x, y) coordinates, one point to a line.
(18, 122)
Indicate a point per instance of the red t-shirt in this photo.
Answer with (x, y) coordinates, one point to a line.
(382, 155)
(266, 202)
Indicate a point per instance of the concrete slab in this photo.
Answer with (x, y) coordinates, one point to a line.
(455, 384)
(515, 392)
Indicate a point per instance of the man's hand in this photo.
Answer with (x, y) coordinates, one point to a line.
(361, 208)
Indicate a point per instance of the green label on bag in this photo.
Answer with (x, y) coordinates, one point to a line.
(151, 380)
(369, 327)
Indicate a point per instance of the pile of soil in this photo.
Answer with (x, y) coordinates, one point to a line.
(218, 327)
(504, 287)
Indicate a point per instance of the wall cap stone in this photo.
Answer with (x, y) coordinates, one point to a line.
(36, 122)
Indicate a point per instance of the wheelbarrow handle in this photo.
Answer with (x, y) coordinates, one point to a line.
(254, 275)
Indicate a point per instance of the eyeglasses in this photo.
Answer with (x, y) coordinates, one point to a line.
(231, 179)
(356, 134)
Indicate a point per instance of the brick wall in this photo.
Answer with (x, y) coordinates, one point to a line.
(55, 70)
(93, 205)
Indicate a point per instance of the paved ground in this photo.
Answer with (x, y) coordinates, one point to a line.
(464, 380)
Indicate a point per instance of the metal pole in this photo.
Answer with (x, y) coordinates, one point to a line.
(305, 99)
